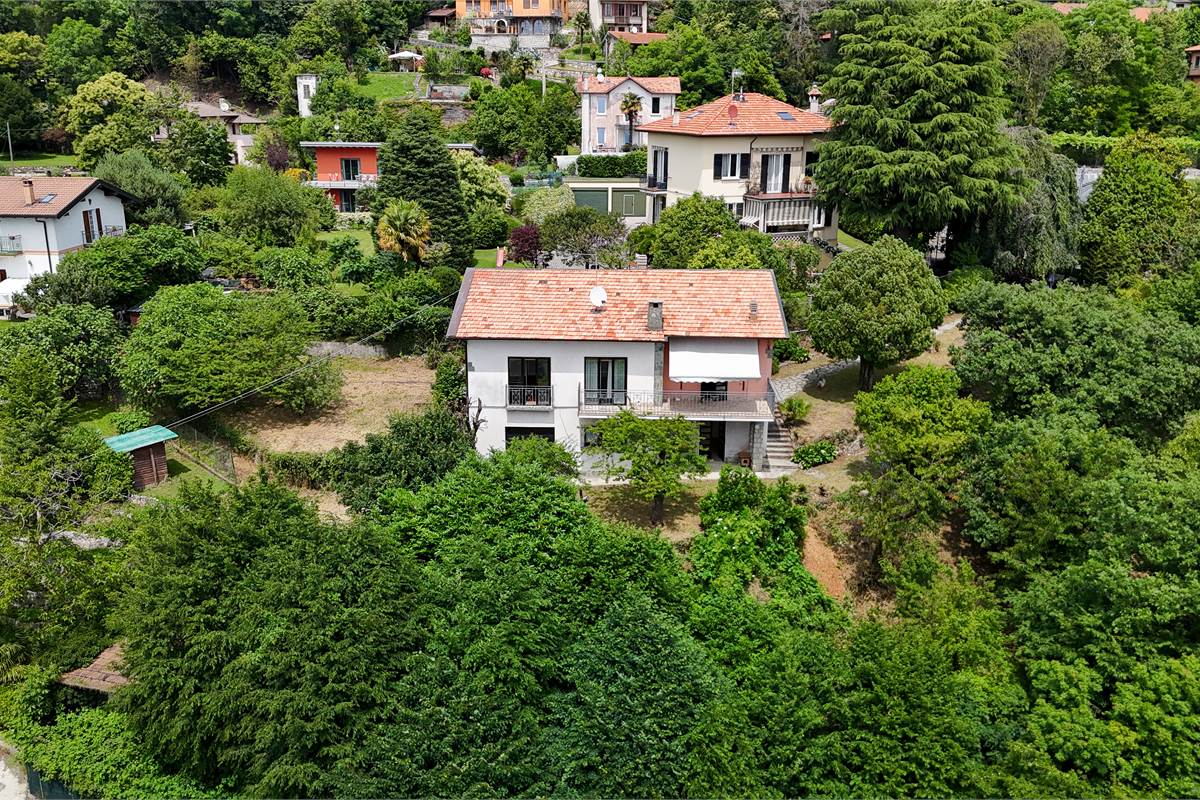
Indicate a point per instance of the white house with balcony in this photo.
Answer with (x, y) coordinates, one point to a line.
(43, 219)
(605, 127)
(551, 351)
(754, 152)
(627, 15)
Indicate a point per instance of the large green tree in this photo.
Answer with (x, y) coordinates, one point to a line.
(415, 165)
(878, 304)
(111, 114)
(157, 194)
(194, 347)
(688, 53)
(1140, 218)
(198, 149)
(80, 342)
(686, 228)
(919, 104)
(654, 455)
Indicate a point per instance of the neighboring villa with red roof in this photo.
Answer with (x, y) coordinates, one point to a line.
(753, 151)
(1193, 59)
(42, 219)
(604, 127)
(549, 351)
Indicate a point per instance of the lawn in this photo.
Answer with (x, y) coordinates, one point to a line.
(389, 85)
(29, 159)
(849, 241)
(97, 415)
(485, 258)
(361, 235)
(179, 469)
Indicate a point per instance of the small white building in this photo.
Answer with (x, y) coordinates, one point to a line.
(551, 351)
(605, 128)
(754, 152)
(43, 219)
(306, 87)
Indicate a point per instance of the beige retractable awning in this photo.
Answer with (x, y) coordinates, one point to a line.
(692, 360)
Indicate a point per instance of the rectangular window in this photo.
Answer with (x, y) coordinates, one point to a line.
(628, 205)
(604, 381)
(516, 432)
(601, 104)
(350, 167)
(811, 157)
(655, 105)
(600, 134)
(738, 209)
(529, 382)
(774, 175)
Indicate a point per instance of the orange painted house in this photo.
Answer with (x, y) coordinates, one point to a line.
(343, 168)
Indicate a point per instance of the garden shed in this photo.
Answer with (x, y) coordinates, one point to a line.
(148, 448)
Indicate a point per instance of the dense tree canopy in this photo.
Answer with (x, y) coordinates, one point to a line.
(918, 88)
(878, 304)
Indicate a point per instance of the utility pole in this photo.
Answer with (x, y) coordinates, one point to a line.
(8, 133)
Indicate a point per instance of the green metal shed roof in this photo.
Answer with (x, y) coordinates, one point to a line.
(140, 438)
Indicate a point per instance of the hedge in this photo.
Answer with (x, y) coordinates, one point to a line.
(1090, 148)
(631, 164)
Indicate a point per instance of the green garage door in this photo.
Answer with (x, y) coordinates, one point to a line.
(629, 203)
(593, 198)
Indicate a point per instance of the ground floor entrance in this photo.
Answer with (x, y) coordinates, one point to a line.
(712, 439)
(345, 200)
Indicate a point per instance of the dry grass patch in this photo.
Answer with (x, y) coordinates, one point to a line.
(374, 389)
(681, 517)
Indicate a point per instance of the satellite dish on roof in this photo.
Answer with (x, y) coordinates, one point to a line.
(598, 297)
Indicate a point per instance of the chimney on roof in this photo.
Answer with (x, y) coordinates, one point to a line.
(27, 186)
(814, 99)
(654, 315)
(674, 119)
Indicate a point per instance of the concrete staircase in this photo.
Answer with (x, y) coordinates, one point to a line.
(779, 446)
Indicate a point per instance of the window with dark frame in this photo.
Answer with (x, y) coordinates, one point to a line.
(604, 381)
(528, 381)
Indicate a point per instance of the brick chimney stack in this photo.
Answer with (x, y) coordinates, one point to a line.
(27, 186)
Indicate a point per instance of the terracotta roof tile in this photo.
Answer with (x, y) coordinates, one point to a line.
(102, 675)
(637, 38)
(554, 304)
(590, 85)
(757, 115)
(65, 191)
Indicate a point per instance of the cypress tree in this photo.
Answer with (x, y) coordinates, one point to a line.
(415, 165)
(919, 104)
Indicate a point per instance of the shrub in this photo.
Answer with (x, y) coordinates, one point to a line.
(814, 454)
(525, 243)
(790, 349)
(738, 489)
(307, 470)
(129, 420)
(450, 379)
(489, 226)
(794, 410)
(551, 457)
(959, 283)
(290, 268)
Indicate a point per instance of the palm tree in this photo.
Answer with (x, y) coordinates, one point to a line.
(403, 228)
(631, 107)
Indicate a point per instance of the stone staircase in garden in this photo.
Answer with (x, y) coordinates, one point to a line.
(779, 446)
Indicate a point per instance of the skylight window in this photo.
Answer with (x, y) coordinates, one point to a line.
(47, 198)
(692, 115)
(786, 115)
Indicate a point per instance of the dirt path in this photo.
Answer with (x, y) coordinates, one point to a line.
(823, 563)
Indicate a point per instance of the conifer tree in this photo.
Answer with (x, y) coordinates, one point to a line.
(415, 165)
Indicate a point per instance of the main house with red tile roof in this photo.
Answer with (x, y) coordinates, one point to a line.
(605, 128)
(42, 219)
(550, 351)
(754, 152)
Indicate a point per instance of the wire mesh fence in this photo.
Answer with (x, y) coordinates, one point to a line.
(210, 452)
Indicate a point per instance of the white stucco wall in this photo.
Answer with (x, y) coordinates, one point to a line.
(487, 377)
(612, 118)
(64, 233)
(690, 163)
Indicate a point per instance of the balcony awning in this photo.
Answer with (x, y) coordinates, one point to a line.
(695, 359)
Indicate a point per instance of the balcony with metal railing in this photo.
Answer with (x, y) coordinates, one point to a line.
(654, 183)
(10, 244)
(529, 397)
(339, 180)
(752, 406)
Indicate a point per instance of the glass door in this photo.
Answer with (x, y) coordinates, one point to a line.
(604, 381)
(350, 167)
(774, 174)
